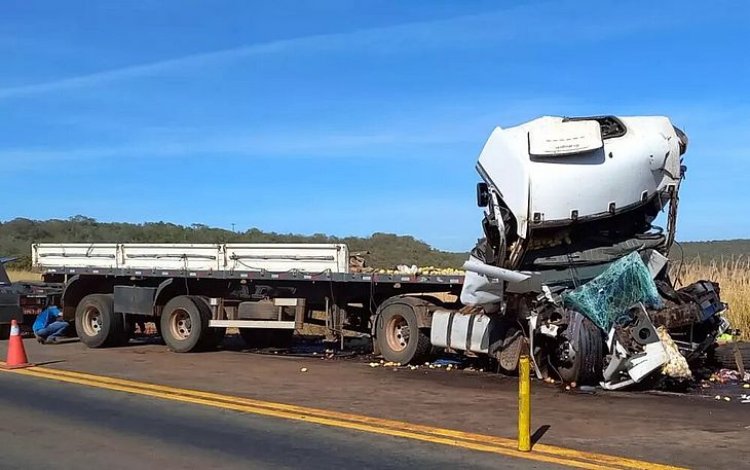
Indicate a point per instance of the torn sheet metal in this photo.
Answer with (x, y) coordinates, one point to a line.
(636, 352)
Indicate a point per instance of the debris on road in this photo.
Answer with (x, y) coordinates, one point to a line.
(724, 376)
(677, 366)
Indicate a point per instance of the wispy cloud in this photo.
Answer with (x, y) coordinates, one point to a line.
(147, 69)
(459, 31)
(247, 145)
(421, 129)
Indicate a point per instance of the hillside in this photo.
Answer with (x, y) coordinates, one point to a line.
(386, 250)
(715, 250)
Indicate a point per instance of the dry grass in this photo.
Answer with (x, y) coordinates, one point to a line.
(24, 275)
(734, 278)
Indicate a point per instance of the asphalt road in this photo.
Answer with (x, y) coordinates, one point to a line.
(692, 430)
(47, 424)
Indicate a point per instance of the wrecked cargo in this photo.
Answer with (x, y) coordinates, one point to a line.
(573, 267)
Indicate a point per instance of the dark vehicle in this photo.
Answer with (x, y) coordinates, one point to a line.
(22, 301)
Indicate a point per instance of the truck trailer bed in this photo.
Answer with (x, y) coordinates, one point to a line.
(284, 262)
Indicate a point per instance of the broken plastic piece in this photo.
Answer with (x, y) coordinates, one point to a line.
(626, 368)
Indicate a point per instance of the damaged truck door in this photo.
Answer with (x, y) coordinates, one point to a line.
(572, 266)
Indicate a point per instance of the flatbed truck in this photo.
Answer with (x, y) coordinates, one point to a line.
(572, 270)
(193, 292)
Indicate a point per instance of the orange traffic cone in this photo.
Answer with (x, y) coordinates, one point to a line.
(16, 352)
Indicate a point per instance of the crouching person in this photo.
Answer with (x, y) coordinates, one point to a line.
(49, 325)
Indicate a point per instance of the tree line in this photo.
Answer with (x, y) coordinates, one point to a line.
(385, 250)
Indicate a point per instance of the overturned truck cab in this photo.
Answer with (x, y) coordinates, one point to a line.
(573, 267)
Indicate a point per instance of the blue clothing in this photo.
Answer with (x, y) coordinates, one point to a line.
(45, 318)
(53, 330)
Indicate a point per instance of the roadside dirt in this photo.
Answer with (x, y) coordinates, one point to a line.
(688, 430)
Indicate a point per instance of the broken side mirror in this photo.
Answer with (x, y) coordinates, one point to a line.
(483, 195)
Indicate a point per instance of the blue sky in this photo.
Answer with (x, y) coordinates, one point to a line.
(347, 117)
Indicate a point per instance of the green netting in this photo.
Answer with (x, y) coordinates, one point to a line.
(606, 299)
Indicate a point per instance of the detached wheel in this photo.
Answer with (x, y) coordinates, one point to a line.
(97, 324)
(184, 324)
(581, 357)
(398, 336)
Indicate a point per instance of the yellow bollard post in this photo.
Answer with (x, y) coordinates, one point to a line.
(524, 404)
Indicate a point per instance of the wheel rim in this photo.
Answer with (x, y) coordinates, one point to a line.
(180, 325)
(92, 321)
(397, 333)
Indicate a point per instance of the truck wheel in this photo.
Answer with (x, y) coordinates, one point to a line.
(398, 336)
(97, 324)
(184, 324)
(215, 335)
(587, 350)
(266, 338)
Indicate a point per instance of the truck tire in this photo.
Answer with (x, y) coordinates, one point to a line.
(97, 324)
(215, 335)
(724, 355)
(266, 338)
(398, 336)
(588, 363)
(184, 324)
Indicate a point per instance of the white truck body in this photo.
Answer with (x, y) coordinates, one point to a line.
(233, 257)
(555, 171)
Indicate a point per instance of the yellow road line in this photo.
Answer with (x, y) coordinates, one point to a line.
(510, 443)
(311, 419)
(543, 453)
